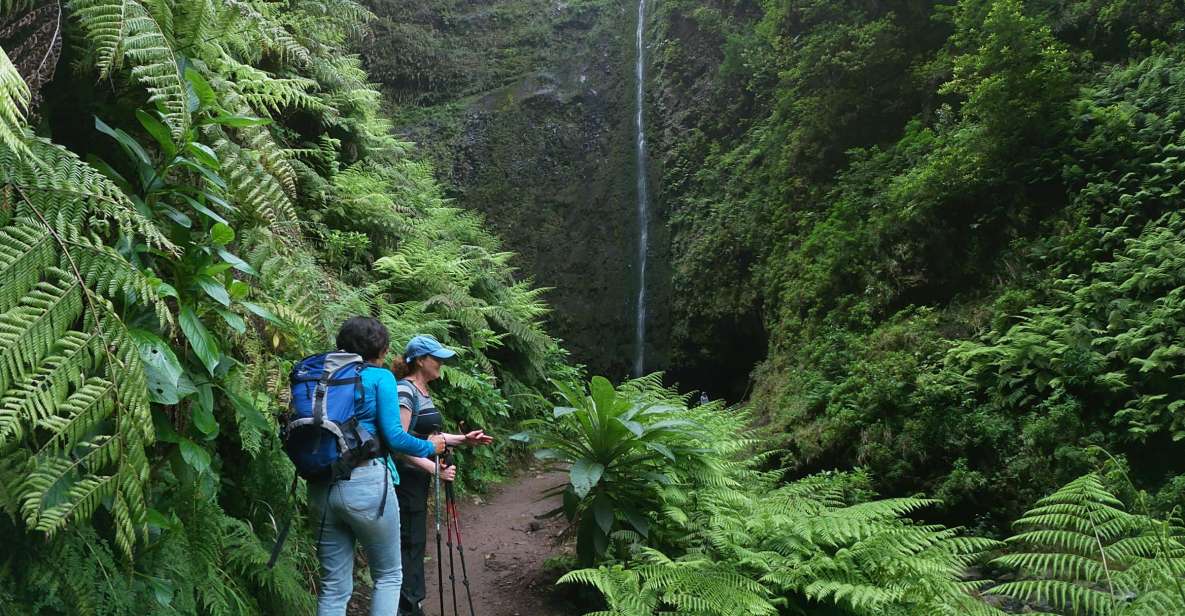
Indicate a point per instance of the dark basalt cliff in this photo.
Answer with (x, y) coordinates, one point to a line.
(526, 108)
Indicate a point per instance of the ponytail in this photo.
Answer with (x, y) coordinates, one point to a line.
(401, 368)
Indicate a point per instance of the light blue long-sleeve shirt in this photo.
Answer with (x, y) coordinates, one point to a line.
(380, 409)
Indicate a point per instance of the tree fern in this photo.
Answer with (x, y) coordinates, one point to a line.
(1083, 553)
(59, 186)
(120, 29)
(14, 103)
(72, 383)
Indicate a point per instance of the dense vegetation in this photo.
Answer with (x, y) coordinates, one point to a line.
(680, 522)
(953, 225)
(935, 245)
(201, 195)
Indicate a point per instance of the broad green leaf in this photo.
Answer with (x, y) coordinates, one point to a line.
(221, 234)
(205, 396)
(584, 476)
(248, 410)
(260, 312)
(206, 172)
(662, 449)
(236, 262)
(204, 155)
(638, 521)
(162, 590)
(632, 426)
(602, 509)
(239, 290)
(177, 216)
(126, 141)
(202, 209)
(159, 131)
(214, 289)
(203, 344)
(161, 366)
(235, 321)
(201, 87)
(203, 412)
(215, 269)
(195, 455)
(603, 394)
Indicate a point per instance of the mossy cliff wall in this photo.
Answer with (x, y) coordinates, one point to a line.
(526, 107)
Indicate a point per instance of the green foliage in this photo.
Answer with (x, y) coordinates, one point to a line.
(950, 221)
(127, 31)
(656, 486)
(623, 449)
(1080, 552)
(74, 419)
(156, 282)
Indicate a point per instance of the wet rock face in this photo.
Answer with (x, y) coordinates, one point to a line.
(539, 139)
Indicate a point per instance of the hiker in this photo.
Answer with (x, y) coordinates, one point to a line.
(357, 508)
(420, 365)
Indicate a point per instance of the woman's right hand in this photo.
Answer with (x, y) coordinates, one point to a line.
(438, 441)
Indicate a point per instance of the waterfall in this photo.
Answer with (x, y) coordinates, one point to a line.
(643, 194)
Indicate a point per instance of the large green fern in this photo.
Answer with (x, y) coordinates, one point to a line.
(74, 419)
(125, 29)
(1081, 553)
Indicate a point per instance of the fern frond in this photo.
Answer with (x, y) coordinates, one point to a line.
(74, 395)
(60, 186)
(14, 104)
(120, 29)
(1082, 554)
(258, 194)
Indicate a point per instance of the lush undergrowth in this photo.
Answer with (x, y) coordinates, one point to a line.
(199, 196)
(680, 520)
(957, 225)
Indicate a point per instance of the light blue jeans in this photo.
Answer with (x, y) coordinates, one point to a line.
(351, 513)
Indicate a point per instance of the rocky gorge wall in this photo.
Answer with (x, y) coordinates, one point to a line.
(526, 108)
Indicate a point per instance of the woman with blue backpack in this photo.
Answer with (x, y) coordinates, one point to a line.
(419, 366)
(351, 396)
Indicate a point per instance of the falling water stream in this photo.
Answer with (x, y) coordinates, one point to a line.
(643, 195)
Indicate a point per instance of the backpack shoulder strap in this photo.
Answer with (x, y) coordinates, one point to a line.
(415, 405)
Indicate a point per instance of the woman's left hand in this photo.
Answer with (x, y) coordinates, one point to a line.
(478, 437)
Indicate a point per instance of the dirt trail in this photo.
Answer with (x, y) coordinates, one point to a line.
(505, 551)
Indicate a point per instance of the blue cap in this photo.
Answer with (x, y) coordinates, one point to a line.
(424, 344)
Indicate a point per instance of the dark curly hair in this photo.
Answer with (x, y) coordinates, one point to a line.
(364, 336)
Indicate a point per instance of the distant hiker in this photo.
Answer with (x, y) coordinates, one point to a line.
(349, 501)
(420, 365)
(703, 398)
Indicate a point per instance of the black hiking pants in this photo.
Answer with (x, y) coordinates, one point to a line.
(412, 492)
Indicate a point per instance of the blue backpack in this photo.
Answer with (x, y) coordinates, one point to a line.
(322, 436)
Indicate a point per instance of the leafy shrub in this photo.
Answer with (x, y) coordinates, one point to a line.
(623, 448)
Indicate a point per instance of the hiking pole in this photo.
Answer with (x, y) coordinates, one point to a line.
(439, 556)
(452, 572)
(450, 500)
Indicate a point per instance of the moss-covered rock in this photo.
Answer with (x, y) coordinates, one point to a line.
(527, 106)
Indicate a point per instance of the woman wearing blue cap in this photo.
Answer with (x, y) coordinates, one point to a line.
(420, 365)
